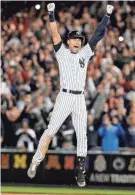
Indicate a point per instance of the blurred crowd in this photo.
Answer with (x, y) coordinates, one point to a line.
(30, 76)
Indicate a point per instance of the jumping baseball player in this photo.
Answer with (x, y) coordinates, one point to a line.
(73, 63)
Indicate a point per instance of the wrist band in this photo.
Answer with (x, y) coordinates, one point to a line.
(51, 16)
(108, 14)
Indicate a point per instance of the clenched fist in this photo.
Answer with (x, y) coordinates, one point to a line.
(51, 7)
(109, 9)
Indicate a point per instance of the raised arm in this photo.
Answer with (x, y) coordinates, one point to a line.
(100, 30)
(53, 26)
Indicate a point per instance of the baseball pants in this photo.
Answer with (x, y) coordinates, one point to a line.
(66, 104)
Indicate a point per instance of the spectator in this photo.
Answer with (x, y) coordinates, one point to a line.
(26, 137)
(2, 133)
(131, 132)
(8, 127)
(36, 115)
(110, 135)
(91, 132)
(29, 71)
(67, 135)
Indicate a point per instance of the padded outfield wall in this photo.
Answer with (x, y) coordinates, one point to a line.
(117, 169)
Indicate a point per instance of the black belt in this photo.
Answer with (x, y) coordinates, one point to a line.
(72, 91)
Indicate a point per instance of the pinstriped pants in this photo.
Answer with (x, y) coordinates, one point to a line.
(67, 103)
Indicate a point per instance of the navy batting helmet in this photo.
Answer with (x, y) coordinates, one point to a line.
(76, 34)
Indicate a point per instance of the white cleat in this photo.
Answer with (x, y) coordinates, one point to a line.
(80, 178)
(32, 171)
(80, 183)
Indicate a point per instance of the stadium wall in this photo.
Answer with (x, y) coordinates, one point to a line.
(58, 168)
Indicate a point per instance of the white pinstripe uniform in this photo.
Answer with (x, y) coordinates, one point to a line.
(72, 77)
(72, 68)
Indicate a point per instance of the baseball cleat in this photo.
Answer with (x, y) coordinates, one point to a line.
(32, 171)
(81, 184)
(80, 178)
(80, 172)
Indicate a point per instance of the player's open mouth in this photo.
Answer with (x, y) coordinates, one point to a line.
(76, 47)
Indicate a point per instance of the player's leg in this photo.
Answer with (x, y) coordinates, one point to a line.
(79, 118)
(60, 112)
(62, 109)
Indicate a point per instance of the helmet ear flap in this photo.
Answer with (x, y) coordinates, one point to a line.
(83, 41)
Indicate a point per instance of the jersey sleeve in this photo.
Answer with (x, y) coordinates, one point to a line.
(61, 51)
(88, 53)
(57, 47)
(99, 32)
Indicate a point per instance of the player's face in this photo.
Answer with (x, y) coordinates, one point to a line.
(75, 45)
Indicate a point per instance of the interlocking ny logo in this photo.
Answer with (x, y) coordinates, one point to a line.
(82, 63)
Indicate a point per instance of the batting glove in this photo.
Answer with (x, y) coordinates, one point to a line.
(51, 7)
(109, 9)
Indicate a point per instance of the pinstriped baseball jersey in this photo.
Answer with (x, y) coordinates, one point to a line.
(73, 67)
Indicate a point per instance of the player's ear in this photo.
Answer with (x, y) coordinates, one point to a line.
(68, 41)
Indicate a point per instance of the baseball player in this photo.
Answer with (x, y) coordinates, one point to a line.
(73, 63)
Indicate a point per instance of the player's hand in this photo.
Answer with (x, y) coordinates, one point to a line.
(109, 9)
(51, 7)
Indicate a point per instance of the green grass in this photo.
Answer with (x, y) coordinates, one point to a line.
(17, 189)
